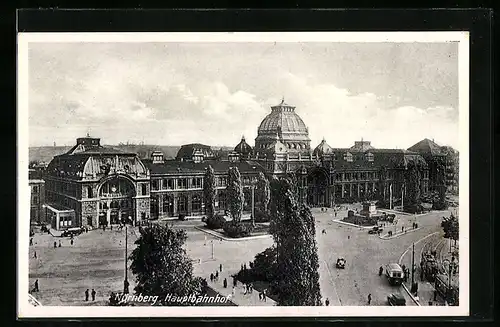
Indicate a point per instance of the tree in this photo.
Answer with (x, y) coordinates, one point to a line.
(450, 228)
(235, 194)
(413, 182)
(263, 193)
(162, 266)
(209, 192)
(292, 227)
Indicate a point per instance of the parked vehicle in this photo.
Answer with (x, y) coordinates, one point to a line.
(340, 263)
(72, 232)
(375, 230)
(394, 274)
(396, 300)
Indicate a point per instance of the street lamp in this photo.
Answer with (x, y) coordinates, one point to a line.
(125, 282)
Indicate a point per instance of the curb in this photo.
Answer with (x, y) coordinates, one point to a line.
(33, 301)
(398, 234)
(219, 235)
(352, 225)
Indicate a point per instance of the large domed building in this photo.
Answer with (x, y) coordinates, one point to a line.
(283, 124)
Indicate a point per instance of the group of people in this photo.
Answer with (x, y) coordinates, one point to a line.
(87, 294)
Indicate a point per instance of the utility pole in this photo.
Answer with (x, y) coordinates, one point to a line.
(390, 196)
(213, 250)
(413, 267)
(253, 205)
(125, 282)
(402, 197)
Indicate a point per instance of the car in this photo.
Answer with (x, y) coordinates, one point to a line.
(375, 230)
(72, 232)
(396, 300)
(340, 263)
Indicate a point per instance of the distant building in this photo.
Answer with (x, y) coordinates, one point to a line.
(443, 164)
(37, 200)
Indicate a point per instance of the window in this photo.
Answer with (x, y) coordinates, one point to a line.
(182, 204)
(168, 183)
(196, 182)
(182, 183)
(35, 189)
(348, 157)
(144, 189)
(89, 192)
(196, 203)
(369, 157)
(35, 200)
(155, 184)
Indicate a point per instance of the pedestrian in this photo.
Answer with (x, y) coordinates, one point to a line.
(211, 277)
(264, 295)
(241, 266)
(327, 302)
(220, 267)
(232, 292)
(402, 229)
(260, 296)
(31, 241)
(36, 289)
(369, 299)
(34, 255)
(59, 243)
(435, 295)
(348, 237)
(235, 282)
(93, 294)
(225, 283)
(87, 295)
(246, 289)
(111, 226)
(244, 266)
(55, 244)
(71, 241)
(335, 214)
(250, 288)
(216, 275)
(380, 271)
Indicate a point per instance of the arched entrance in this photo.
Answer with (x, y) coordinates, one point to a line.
(317, 188)
(116, 201)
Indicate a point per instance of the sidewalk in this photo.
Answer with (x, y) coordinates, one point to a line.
(223, 237)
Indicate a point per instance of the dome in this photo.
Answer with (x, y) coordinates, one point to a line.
(322, 148)
(243, 147)
(282, 119)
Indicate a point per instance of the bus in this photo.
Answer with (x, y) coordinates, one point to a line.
(394, 273)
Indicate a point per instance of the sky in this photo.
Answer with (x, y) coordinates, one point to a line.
(392, 94)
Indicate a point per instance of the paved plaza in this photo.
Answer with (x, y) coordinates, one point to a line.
(96, 260)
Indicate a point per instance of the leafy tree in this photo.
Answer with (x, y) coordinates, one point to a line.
(235, 194)
(293, 230)
(209, 192)
(263, 193)
(162, 266)
(413, 182)
(450, 228)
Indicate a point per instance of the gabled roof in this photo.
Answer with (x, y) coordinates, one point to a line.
(427, 147)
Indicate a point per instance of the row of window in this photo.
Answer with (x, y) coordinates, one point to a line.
(193, 182)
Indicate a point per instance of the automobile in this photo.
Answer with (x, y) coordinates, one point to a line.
(72, 232)
(340, 263)
(375, 230)
(396, 300)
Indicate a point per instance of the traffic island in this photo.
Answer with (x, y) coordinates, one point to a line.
(225, 238)
(389, 236)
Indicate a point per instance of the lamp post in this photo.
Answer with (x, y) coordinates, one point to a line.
(253, 205)
(125, 282)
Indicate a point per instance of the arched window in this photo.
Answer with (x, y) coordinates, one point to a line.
(90, 194)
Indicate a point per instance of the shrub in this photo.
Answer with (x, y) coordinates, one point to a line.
(261, 217)
(182, 217)
(237, 230)
(439, 205)
(215, 222)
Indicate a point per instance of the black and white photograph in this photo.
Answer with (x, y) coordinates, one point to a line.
(243, 174)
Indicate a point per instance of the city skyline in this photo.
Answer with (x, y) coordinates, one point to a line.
(392, 94)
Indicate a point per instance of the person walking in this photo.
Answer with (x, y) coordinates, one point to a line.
(369, 299)
(72, 241)
(246, 289)
(232, 292)
(225, 283)
(220, 267)
(217, 275)
(59, 243)
(264, 295)
(380, 271)
(34, 255)
(87, 295)
(36, 289)
(31, 241)
(55, 244)
(327, 302)
(93, 294)
(211, 277)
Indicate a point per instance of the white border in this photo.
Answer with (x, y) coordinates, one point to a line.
(25, 310)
